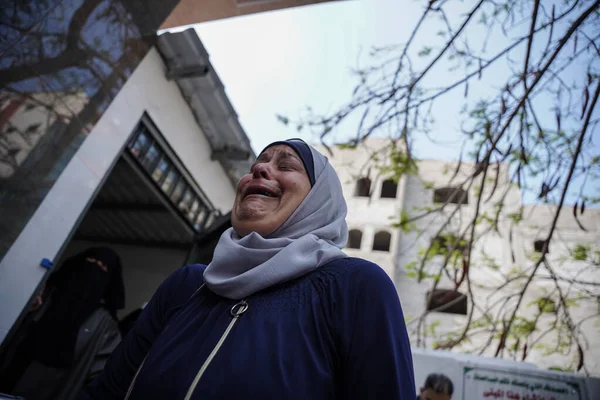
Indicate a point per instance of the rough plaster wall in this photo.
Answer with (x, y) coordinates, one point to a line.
(374, 213)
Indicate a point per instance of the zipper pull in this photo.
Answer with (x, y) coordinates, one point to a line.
(236, 311)
(239, 308)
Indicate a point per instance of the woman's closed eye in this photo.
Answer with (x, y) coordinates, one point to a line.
(288, 166)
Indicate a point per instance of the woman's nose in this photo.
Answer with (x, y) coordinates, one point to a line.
(262, 170)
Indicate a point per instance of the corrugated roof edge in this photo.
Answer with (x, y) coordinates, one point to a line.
(188, 64)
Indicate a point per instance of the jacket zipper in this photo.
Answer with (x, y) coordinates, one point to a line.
(134, 378)
(236, 311)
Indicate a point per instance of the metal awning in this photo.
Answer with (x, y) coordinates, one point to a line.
(189, 66)
(127, 211)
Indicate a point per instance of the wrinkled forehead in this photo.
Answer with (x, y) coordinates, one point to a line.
(279, 151)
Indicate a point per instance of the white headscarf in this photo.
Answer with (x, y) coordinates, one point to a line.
(311, 237)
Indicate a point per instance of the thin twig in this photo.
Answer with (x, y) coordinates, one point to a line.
(556, 215)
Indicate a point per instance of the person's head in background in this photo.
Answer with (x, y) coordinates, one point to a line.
(436, 387)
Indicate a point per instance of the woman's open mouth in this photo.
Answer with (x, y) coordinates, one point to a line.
(260, 191)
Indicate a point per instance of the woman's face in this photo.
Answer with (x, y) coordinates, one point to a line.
(270, 193)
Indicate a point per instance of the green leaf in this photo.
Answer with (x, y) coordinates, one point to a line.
(404, 223)
(346, 146)
(515, 217)
(430, 329)
(411, 266)
(428, 185)
(284, 120)
(580, 252)
(546, 305)
(571, 303)
(425, 51)
(484, 19)
(561, 369)
(523, 327)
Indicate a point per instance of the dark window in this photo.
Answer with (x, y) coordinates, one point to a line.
(382, 240)
(169, 181)
(151, 158)
(140, 145)
(160, 163)
(388, 189)
(202, 214)
(193, 210)
(209, 220)
(452, 195)
(186, 201)
(160, 169)
(538, 246)
(354, 239)
(447, 301)
(363, 187)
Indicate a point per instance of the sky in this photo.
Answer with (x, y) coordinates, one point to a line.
(283, 61)
(280, 62)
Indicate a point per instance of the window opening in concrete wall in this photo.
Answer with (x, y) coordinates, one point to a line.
(160, 169)
(451, 195)
(389, 189)
(447, 301)
(178, 190)
(354, 239)
(538, 246)
(169, 181)
(382, 240)
(363, 187)
(164, 171)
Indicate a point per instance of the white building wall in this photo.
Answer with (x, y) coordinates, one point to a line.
(148, 91)
(368, 214)
(567, 236)
(415, 195)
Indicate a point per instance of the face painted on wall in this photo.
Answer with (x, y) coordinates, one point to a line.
(267, 196)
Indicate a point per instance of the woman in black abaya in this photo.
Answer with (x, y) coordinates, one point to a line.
(84, 283)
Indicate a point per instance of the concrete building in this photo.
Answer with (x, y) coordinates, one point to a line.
(154, 178)
(375, 202)
(110, 134)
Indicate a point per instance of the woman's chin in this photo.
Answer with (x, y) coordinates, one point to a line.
(255, 209)
(252, 219)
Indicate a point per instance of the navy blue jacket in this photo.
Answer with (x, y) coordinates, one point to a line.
(335, 333)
